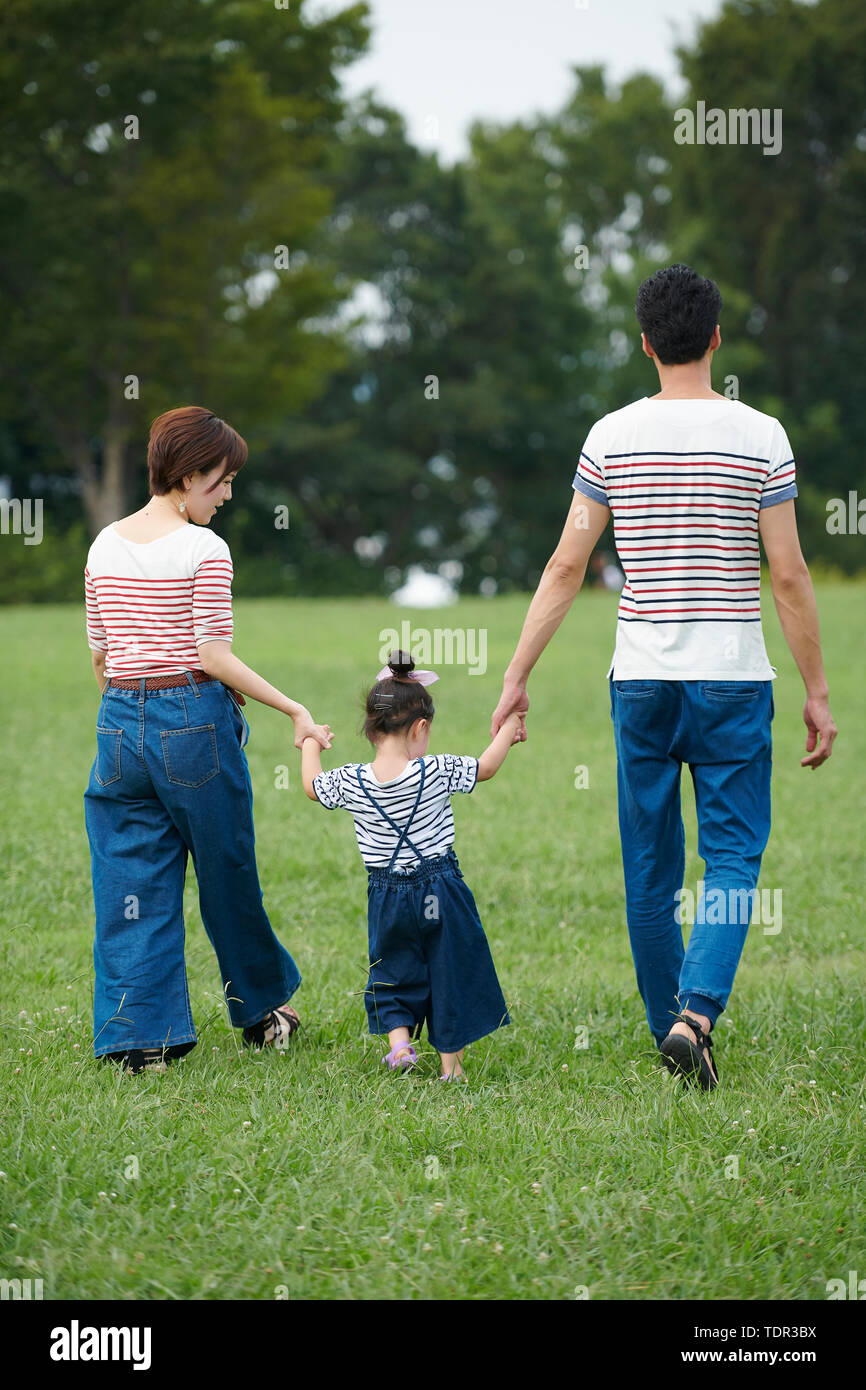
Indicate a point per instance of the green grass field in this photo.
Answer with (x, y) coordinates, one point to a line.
(557, 1171)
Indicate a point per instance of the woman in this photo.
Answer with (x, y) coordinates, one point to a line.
(170, 776)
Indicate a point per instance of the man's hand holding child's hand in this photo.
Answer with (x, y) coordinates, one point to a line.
(517, 723)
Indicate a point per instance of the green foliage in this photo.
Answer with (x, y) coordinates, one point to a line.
(139, 256)
(789, 229)
(437, 416)
(48, 572)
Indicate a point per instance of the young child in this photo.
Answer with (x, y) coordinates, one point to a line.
(429, 957)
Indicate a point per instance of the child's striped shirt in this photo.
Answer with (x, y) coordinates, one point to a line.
(432, 827)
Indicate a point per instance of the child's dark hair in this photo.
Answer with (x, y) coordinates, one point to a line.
(678, 311)
(397, 701)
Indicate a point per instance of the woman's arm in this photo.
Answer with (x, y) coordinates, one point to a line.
(218, 660)
(98, 659)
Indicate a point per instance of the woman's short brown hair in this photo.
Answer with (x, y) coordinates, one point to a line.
(190, 440)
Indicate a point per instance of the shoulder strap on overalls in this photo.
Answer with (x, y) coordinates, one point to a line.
(393, 824)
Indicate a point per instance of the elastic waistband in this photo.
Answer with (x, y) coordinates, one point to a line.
(428, 868)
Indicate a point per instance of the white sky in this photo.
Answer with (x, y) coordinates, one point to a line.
(453, 60)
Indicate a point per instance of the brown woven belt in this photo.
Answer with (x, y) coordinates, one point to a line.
(168, 683)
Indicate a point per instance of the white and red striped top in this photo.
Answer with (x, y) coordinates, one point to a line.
(685, 481)
(151, 605)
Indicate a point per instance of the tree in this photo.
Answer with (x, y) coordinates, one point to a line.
(153, 159)
(787, 231)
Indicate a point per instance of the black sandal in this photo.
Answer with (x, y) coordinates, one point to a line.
(276, 1030)
(684, 1058)
(143, 1059)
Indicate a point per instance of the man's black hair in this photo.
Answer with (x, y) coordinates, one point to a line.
(678, 310)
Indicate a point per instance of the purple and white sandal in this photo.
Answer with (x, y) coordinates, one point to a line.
(401, 1063)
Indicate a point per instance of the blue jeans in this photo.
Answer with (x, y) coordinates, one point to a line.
(429, 956)
(170, 779)
(722, 730)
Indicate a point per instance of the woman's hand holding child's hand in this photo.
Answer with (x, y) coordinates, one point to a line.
(305, 727)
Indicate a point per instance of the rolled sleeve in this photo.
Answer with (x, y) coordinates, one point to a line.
(780, 484)
(589, 480)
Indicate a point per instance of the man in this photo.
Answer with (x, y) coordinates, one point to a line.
(692, 479)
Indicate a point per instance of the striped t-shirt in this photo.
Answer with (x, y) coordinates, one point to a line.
(432, 826)
(150, 605)
(685, 481)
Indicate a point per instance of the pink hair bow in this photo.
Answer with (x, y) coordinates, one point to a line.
(422, 677)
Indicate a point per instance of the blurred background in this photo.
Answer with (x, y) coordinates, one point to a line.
(397, 246)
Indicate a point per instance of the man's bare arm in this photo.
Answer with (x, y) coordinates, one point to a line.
(798, 614)
(557, 589)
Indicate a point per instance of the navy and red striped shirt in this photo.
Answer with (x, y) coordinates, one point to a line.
(685, 481)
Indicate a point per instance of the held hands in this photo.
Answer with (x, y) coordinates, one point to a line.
(513, 701)
(821, 731)
(509, 731)
(305, 727)
(517, 725)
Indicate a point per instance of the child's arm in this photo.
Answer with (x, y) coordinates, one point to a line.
(493, 757)
(311, 765)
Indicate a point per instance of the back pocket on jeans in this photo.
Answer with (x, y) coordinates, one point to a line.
(636, 689)
(107, 766)
(730, 690)
(190, 755)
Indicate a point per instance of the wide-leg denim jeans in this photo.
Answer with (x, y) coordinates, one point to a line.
(721, 729)
(170, 779)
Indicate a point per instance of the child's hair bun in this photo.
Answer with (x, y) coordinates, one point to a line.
(400, 663)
